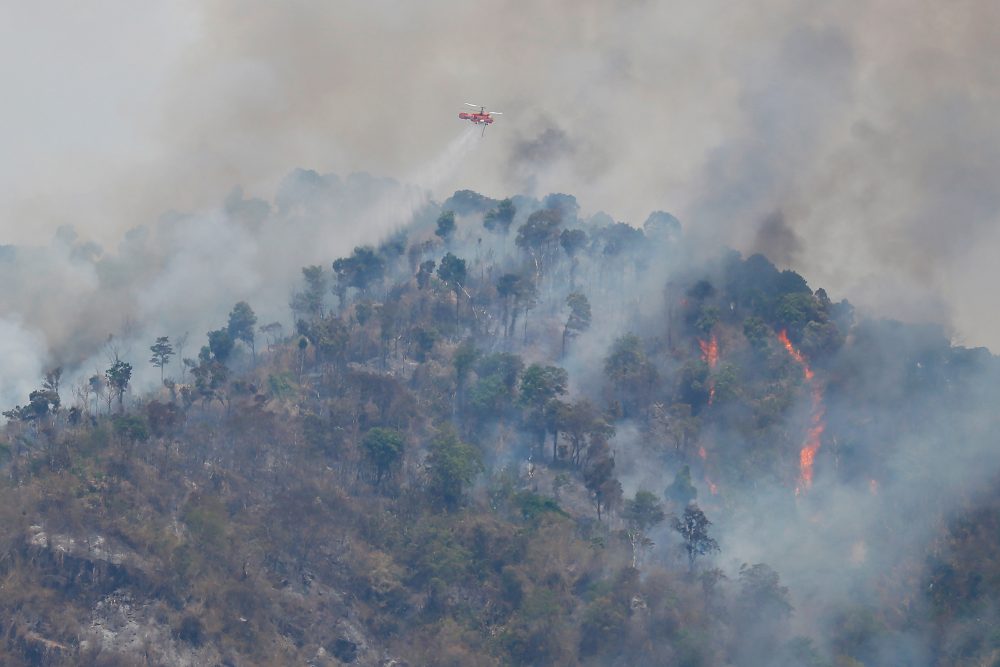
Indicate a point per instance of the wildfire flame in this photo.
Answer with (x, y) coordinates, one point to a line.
(710, 351)
(710, 355)
(712, 486)
(796, 355)
(814, 435)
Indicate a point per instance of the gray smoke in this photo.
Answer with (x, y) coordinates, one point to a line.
(870, 125)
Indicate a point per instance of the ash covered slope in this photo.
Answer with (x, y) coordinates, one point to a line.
(506, 434)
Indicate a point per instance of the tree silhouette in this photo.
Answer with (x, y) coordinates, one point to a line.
(498, 220)
(242, 321)
(118, 376)
(693, 527)
(162, 351)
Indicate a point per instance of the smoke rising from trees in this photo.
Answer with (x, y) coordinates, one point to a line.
(857, 146)
(868, 125)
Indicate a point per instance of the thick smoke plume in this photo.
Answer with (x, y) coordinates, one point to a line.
(869, 125)
(856, 141)
(184, 272)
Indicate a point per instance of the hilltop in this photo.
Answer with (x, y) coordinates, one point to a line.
(507, 434)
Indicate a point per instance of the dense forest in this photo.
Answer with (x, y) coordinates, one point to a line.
(503, 434)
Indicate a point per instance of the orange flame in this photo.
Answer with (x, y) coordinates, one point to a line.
(796, 355)
(712, 486)
(710, 351)
(814, 436)
(710, 355)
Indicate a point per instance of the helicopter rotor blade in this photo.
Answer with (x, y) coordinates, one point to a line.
(495, 113)
(468, 104)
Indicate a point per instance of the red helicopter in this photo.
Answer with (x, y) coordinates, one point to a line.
(483, 118)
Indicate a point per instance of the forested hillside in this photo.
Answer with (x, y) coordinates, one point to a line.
(509, 435)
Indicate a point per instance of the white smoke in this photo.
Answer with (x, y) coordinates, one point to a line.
(184, 273)
(22, 354)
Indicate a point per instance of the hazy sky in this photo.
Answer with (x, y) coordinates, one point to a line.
(864, 132)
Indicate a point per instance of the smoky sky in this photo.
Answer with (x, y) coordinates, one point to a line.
(870, 126)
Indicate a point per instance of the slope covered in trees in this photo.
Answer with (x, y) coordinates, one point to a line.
(507, 435)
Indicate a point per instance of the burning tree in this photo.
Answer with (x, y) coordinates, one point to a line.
(814, 434)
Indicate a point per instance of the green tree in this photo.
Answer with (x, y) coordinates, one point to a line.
(820, 338)
(757, 332)
(162, 351)
(572, 242)
(681, 491)
(693, 527)
(97, 385)
(451, 467)
(221, 344)
(579, 317)
(425, 273)
(792, 312)
(118, 377)
(272, 332)
(308, 304)
(361, 270)
(707, 317)
(641, 513)
(242, 321)
(599, 479)
(584, 421)
(498, 220)
(489, 399)
(453, 272)
(209, 372)
(539, 385)
(693, 388)
(632, 376)
(516, 293)
(504, 365)
(539, 236)
(661, 227)
(445, 225)
(383, 450)
(493, 395)
(619, 239)
(393, 247)
(329, 335)
(425, 338)
(130, 430)
(41, 402)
